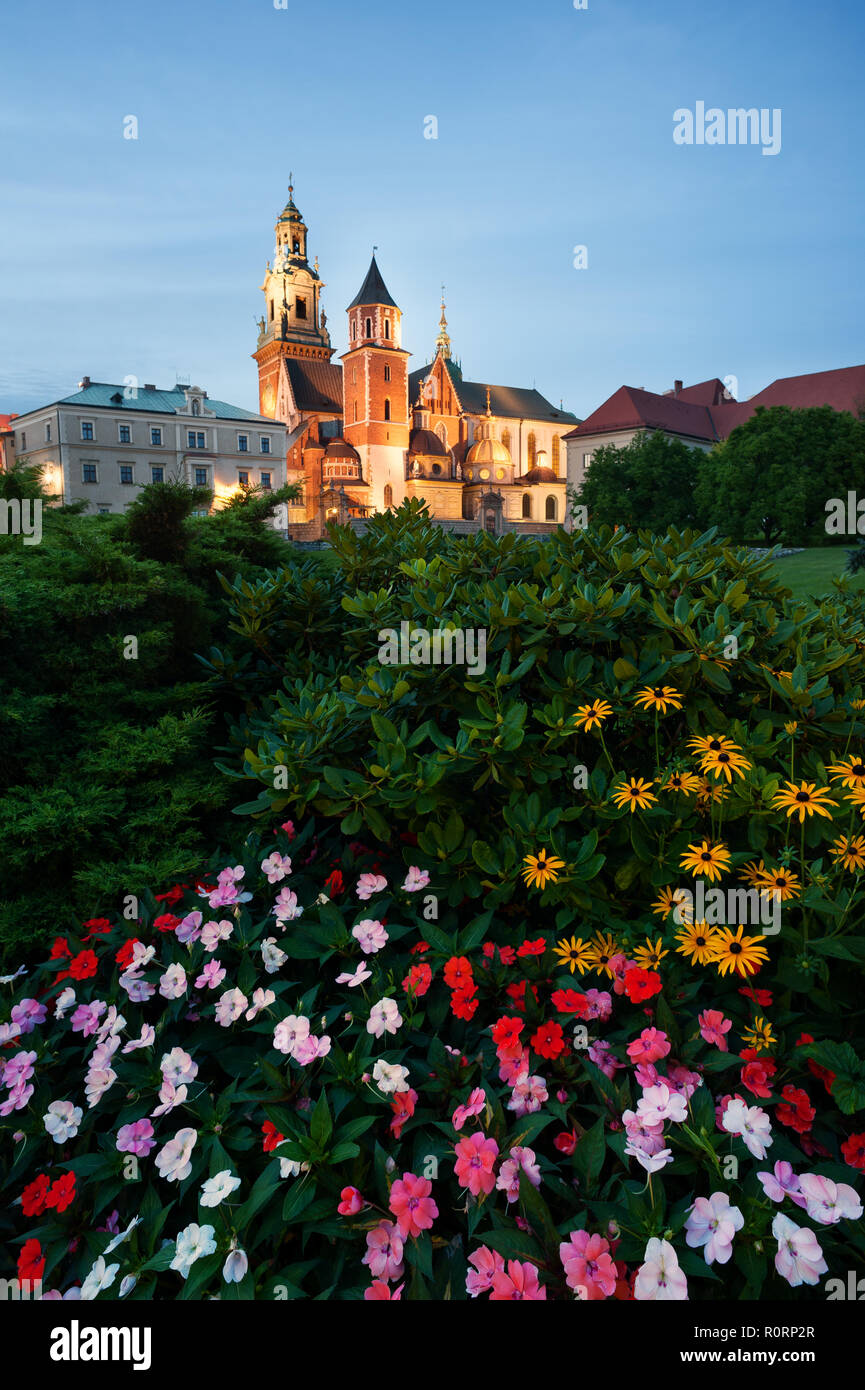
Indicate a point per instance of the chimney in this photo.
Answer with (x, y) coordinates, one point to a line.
(148, 386)
(84, 383)
(677, 387)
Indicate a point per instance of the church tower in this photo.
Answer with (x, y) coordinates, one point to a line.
(375, 390)
(293, 324)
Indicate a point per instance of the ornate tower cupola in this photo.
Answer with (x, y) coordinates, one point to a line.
(443, 342)
(293, 324)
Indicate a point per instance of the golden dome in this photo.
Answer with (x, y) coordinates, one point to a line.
(488, 451)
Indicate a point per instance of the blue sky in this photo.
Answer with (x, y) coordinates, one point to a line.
(144, 258)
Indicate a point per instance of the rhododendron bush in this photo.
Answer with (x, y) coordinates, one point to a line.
(287, 1081)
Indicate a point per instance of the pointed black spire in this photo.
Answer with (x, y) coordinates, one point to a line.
(373, 290)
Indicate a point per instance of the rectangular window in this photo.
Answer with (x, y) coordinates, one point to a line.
(103, 509)
(300, 308)
(157, 473)
(125, 434)
(47, 434)
(242, 443)
(243, 477)
(265, 480)
(587, 458)
(23, 439)
(201, 477)
(126, 473)
(199, 440)
(156, 437)
(86, 429)
(265, 444)
(88, 473)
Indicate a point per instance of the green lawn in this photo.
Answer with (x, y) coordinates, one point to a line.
(811, 572)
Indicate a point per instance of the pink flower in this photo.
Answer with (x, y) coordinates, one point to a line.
(214, 932)
(600, 1054)
(473, 1106)
(19, 1069)
(172, 985)
(650, 1046)
(384, 1251)
(212, 974)
(310, 1048)
(412, 1205)
(528, 1095)
(136, 1138)
(229, 1006)
(659, 1277)
(712, 1223)
(85, 1019)
(286, 909)
(370, 934)
(780, 1183)
(189, 929)
(350, 1203)
(177, 1066)
(799, 1259)
(379, 1291)
(97, 1081)
(475, 1158)
(415, 878)
(170, 1096)
(288, 1034)
(370, 884)
(600, 1004)
(261, 999)
(520, 1281)
(27, 1013)
(659, 1103)
(174, 1159)
(384, 1017)
(487, 1264)
(520, 1160)
(652, 1160)
(588, 1265)
(362, 973)
(146, 1038)
(713, 1026)
(750, 1123)
(276, 866)
(827, 1201)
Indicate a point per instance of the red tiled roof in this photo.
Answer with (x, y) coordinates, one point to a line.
(843, 388)
(712, 392)
(631, 408)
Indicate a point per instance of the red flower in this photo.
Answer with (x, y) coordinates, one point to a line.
(403, 1105)
(166, 922)
(60, 948)
(763, 997)
(272, 1136)
(570, 1001)
(641, 984)
(31, 1262)
(798, 1113)
(507, 955)
(333, 883)
(174, 894)
(83, 966)
(566, 1142)
(418, 980)
(34, 1195)
(419, 948)
(757, 1076)
(458, 972)
(124, 955)
(62, 1193)
(98, 927)
(853, 1150)
(532, 948)
(548, 1041)
(506, 1032)
(463, 1004)
(489, 949)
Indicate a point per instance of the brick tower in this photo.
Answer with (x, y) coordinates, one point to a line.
(375, 390)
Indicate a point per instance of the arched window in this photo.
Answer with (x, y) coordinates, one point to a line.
(506, 439)
(531, 449)
(388, 495)
(387, 328)
(387, 371)
(387, 409)
(369, 328)
(556, 454)
(271, 309)
(527, 506)
(551, 509)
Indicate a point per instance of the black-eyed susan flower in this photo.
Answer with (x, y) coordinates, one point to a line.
(724, 763)
(849, 852)
(573, 953)
(805, 799)
(657, 697)
(857, 798)
(685, 782)
(850, 773)
(710, 792)
(669, 900)
(759, 1035)
(706, 859)
(601, 951)
(650, 955)
(587, 716)
(712, 743)
(779, 884)
(697, 942)
(731, 951)
(541, 868)
(752, 872)
(635, 794)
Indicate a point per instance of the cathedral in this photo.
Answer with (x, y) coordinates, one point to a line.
(366, 432)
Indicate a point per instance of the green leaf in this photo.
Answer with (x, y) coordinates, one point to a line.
(321, 1125)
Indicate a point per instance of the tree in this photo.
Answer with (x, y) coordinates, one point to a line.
(647, 484)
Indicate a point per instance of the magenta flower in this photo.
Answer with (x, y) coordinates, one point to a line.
(136, 1138)
(19, 1069)
(713, 1026)
(384, 1248)
(782, 1182)
(86, 1017)
(473, 1106)
(650, 1046)
(412, 1205)
(27, 1013)
(350, 1202)
(588, 1265)
(518, 1282)
(487, 1264)
(212, 975)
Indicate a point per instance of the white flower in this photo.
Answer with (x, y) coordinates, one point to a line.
(384, 1017)
(100, 1277)
(119, 1239)
(147, 1039)
(229, 1007)
(172, 985)
(177, 1066)
(174, 1158)
(193, 1242)
(7, 979)
(659, 1103)
(170, 1096)
(390, 1077)
(261, 999)
(127, 1284)
(652, 1162)
(217, 1188)
(64, 1001)
(235, 1265)
(271, 955)
(97, 1081)
(288, 1168)
(62, 1119)
(751, 1124)
(290, 1032)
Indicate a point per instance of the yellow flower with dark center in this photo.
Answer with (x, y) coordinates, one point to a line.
(779, 884)
(685, 782)
(657, 697)
(712, 743)
(635, 794)
(805, 799)
(573, 953)
(759, 1035)
(706, 859)
(587, 716)
(857, 798)
(850, 773)
(697, 942)
(670, 899)
(725, 763)
(650, 956)
(601, 952)
(731, 951)
(752, 872)
(541, 868)
(850, 852)
(709, 792)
